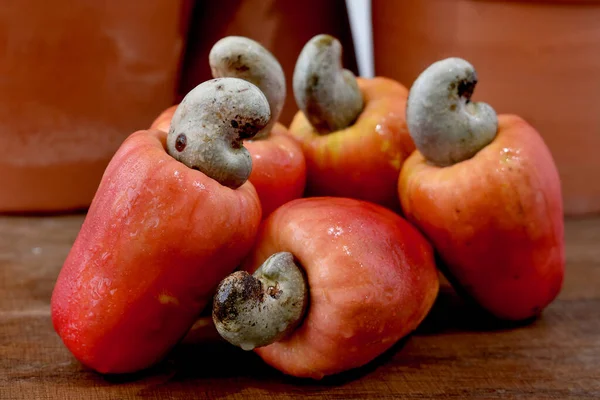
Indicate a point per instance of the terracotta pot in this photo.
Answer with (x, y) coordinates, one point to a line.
(539, 59)
(283, 27)
(76, 78)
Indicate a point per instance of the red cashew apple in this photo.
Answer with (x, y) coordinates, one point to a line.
(278, 169)
(335, 283)
(278, 165)
(171, 218)
(484, 189)
(352, 130)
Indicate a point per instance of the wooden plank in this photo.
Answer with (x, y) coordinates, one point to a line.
(456, 353)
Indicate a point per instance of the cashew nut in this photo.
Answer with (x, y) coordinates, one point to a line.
(325, 92)
(445, 125)
(256, 310)
(241, 57)
(210, 124)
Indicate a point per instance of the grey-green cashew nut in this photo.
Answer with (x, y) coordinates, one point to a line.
(256, 310)
(244, 58)
(210, 124)
(325, 92)
(443, 122)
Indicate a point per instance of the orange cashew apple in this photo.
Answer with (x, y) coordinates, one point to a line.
(484, 189)
(352, 130)
(335, 283)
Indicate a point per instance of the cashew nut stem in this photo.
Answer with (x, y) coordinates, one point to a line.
(210, 124)
(445, 125)
(256, 310)
(240, 57)
(327, 94)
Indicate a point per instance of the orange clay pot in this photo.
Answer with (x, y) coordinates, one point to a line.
(362, 161)
(371, 278)
(278, 166)
(156, 241)
(496, 220)
(538, 59)
(78, 78)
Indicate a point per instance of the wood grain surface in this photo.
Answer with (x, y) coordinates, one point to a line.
(457, 353)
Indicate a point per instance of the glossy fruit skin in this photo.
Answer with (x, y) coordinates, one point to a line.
(496, 220)
(278, 169)
(156, 241)
(364, 160)
(278, 165)
(371, 276)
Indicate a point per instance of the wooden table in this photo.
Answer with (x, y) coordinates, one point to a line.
(456, 353)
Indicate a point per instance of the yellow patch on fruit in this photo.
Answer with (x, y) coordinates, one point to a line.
(164, 298)
(201, 323)
(385, 146)
(396, 162)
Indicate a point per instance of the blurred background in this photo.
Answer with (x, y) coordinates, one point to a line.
(78, 76)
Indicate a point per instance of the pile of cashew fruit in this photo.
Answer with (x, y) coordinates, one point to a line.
(317, 246)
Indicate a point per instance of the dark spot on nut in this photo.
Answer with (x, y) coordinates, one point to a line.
(235, 289)
(466, 88)
(181, 142)
(452, 86)
(274, 292)
(220, 86)
(246, 128)
(237, 63)
(313, 81)
(240, 65)
(453, 107)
